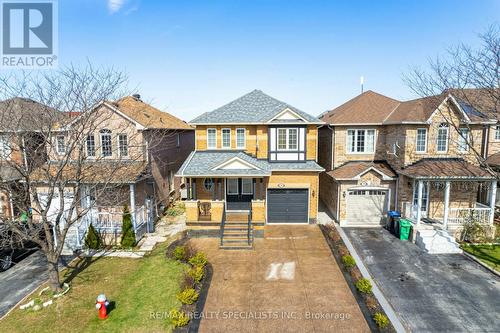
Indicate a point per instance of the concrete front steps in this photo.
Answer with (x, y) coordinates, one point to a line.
(436, 241)
(236, 234)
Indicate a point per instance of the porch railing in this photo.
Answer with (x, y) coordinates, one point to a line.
(457, 216)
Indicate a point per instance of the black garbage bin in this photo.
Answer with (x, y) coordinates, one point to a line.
(392, 215)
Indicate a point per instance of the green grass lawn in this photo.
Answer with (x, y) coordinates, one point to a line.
(139, 287)
(488, 254)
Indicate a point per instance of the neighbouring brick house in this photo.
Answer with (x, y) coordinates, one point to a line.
(129, 156)
(417, 157)
(254, 164)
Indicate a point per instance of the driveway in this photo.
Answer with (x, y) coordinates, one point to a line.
(21, 279)
(439, 293)
(289, 282)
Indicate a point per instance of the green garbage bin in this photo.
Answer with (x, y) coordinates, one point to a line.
(404, 229)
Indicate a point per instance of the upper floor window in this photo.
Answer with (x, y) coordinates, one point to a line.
(463, 139)
(106, 143)
(226, 138)
(287, 138)
(497, 133)
(60, 144)
(90, 145)
(442, 138)
(5, 148)
(360, 141)
(421, 144)
(211, 138)
(240, 138)
(123, 145)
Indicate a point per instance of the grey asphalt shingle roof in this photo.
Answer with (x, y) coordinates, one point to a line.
(254, 107)
(202, 163)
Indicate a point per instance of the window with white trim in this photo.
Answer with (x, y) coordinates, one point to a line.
(421, 143)
(442, 138)
(123, 145)
(463, 139)
(497, 133)
(208, 183)
(240, 137)
(232, 186)
(360, 141)
(211, 138)
(288, 138)
(246, 186)
(90, 145)
(106, 143)
(226, 138)
(60, 144)
(5, 148)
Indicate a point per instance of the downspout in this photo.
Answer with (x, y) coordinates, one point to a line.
(333, 146)
(486, 135)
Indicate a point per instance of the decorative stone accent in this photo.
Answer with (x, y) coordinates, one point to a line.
(217, 211)
(258, 210)
(192, 211)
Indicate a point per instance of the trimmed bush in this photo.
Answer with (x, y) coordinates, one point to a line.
(187, 281)
(178, 318)
(196, 273)
(128, 234)
(188, 296)
(348, 261)
(364, 286)
(381, 320)
(199, 259)
(93, 239)
(179, 253)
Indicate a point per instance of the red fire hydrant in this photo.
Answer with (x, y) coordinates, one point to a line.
(101, 304)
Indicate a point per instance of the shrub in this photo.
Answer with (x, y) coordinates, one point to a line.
(199, 259)
(128, 234)
(93, 239)
(179, 253)
(364, 286)
(371, 303)
(196, 273)
(188, 296)
(381, 320)
(348, 261)
(187, 281)
(173, 211)
(178, 318)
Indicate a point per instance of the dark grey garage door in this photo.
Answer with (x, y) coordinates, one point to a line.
(287, 206)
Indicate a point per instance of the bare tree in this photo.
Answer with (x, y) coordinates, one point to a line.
(46, 120)
(471, 75)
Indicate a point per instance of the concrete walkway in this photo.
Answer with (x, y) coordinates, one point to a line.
(290, 282)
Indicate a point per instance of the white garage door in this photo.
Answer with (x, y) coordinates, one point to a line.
(366, 207)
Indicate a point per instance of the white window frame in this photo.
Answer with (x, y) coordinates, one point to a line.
(463, 143)
(425, 196)
(104, 133)
(239, 131)
(246, 180)
(497, 133)
(208, 138)
(446, 127)
(61, 150)
(287, 130)
(120, 145)
(355, 141)
(5, 147)
(232, 181)
(225, 132)
(425, 141)
(87, 146)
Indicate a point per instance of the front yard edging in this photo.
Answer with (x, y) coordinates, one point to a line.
(473, 258)
(382, 301)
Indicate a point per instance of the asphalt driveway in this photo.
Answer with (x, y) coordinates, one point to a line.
(430, 293)
(290, 282)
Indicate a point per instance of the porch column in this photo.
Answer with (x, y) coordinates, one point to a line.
(193, 188)
(188, 188)
(261, 192)
(447, 187)
(254, 188)
(419, 201)
(214, 190)
(132, 203)
(493, 199)
(219, 189)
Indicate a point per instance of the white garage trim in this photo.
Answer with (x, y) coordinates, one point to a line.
(385, 205)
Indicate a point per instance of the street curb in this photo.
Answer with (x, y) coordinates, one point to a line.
(389, 311)
(473, 258)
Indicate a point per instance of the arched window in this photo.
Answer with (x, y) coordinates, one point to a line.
(106, 143)
(442, 138)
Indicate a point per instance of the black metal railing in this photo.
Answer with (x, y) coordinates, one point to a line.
(249, 218)
(222, 225)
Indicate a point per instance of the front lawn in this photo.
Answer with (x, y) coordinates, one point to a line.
(488, 254)
(139, 288)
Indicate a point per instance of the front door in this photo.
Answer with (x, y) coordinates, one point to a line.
(239, 193)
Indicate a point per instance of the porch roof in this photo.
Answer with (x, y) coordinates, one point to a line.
(353, 170)
(210, 164)
(445, 168)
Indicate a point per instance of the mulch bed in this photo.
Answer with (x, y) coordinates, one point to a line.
(367, 302)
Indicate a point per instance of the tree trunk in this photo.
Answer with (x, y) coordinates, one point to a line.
(53, 268)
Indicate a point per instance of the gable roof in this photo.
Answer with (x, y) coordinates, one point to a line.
(445, 168)
(371, 108)
(355, 169)
(24, 114)
(254, 107)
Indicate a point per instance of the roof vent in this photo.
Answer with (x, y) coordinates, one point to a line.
(137, 96)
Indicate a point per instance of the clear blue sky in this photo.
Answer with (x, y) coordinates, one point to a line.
(189, 57)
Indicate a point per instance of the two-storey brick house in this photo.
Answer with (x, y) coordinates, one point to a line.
(254, 163)
(418, 157)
